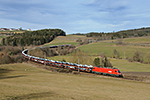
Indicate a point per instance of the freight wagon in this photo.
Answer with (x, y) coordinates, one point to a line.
(74, 66)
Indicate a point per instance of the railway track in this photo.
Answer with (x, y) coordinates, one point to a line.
(68, 71)
(56, 66)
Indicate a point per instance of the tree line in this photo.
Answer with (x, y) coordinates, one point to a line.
(27, 38)
(50, 52)
(120, 34)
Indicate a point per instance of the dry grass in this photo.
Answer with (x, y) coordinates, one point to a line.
(127, 66)
(69, 39)
(108, 48)
(137, 40)
(40, 84)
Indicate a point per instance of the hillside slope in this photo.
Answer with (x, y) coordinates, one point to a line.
(27, 81)
(38, 37)
(125, 53)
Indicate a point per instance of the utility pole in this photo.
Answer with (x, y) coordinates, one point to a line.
(45, 59)
(44, 53)
(78, 67)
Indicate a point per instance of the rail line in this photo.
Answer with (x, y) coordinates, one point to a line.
(73, 66)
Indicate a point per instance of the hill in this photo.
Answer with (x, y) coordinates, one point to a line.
(38, 37)
(120, 34)
(21, 81)
(68, 39)
(123, 59)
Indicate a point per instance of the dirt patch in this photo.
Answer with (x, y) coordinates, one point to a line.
(137, 73)
(137, 76)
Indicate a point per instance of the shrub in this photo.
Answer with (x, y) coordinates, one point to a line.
(16, 50)
(11, 53)
(6, 59)
(19, 59)
(107, 62)
(96, 61)
(2, 48)
(116, 54)
(130, 59)
(138, 56)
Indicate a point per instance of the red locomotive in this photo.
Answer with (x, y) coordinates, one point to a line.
(107, 71)
(73, 66)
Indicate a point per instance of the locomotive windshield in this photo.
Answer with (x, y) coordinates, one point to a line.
(119, 71)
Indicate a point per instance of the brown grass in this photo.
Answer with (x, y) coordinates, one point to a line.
(41, 84)
(69, 39)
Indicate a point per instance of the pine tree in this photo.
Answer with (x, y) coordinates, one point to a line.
(96, 62)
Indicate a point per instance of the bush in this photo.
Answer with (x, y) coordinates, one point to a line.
(17, 59)
(130, 59)
(138, 56)
(119, 42)
(96, 61)
(16, 50)
(2, 48)
(11, 53)
(107, 63)
(116, 54)
(6, 59)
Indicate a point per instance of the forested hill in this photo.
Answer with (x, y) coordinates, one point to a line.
(120, 34)
(38, 37)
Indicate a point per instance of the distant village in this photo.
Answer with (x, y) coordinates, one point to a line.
(14, 29)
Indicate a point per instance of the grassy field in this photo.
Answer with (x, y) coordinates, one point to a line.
(138, 40)
(69, 39)
(126, 66)
(123, 65)
(73, 43)
(108, 49)
(40, 84)
(63, 40)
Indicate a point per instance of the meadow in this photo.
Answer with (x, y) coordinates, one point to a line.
(122, 64)
(107, 48)
(125, 51)
(26, 81)
(138, 40)
(22, 81)
(69, 39)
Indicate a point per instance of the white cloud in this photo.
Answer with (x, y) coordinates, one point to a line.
(75, 16)
(17, 24)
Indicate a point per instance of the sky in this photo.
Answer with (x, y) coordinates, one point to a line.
(75, 16)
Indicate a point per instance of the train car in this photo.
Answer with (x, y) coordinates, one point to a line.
(83, 67)
(89, 68)
(107, 71)
(70, 66)
(73, 66)
(58, 64)
(50, 62)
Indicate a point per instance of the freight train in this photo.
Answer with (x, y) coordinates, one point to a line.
(74, 66)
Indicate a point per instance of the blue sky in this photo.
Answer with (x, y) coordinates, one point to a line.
(75, 16)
